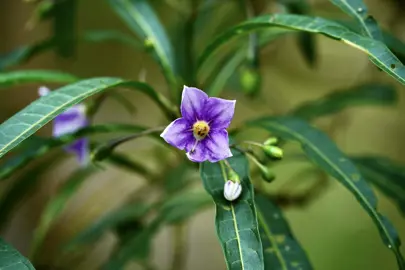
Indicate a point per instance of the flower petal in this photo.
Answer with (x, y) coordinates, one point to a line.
(219, 112)
(217, 145)
(192, 103)
(70, 121)
(81, 149)
(179, 134)
(213, 148)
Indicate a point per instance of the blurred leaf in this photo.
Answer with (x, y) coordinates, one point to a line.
(127, 212)
(38, 113)
(137, 248)
(112, 35)
(64, 26)
(245, 75)
(21, 187)
(324, 153)
(367, 94)
(177, 178)
(141, 18)
(358, 10)
(377, 51)
(129, 164)
(181, 207)
(24, 53)
(55, 206)
(280, 249)
(236, 222)
(386, 175)
(11, 259)
(40, 147)
(35, 76)
(306, 41)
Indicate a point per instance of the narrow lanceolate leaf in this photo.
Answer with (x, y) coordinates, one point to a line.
(358, 10)
(280, 248)
(306, 41)
(64, 26)
(35, 76)
(55, 206)
(23, 124)
(42, 146)
(324, 153)
(128, 212)
(386, 175)
(22, 187)
(11, 259)
(367, 94)
(141, 18)
(378, 53)
(236, 222)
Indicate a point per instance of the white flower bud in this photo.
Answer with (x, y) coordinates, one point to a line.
(232, 190)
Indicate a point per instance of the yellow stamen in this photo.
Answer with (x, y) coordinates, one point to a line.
(200, 130)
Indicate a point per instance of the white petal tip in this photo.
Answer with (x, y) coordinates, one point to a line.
(43, 91)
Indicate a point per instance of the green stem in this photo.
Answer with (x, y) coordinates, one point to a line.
(179, 247)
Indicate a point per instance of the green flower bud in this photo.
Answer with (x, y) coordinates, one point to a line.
(250, 80)
(266, 174)
(271, 141)
(273, 151)
(233, 175)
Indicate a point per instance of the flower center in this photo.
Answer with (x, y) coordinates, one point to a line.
(200, 130)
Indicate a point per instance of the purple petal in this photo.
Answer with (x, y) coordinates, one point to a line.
(81, 149)
(213, 148)
(219, 112)
(179, 134)
(70, 121)
(192, 103)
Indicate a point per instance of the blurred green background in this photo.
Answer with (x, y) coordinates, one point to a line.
(335, 231)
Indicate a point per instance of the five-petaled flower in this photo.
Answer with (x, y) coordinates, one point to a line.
(69, 122)
(201, 131)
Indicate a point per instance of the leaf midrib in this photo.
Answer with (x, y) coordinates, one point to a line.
(372, 210)
(269, 234)
(234, 219)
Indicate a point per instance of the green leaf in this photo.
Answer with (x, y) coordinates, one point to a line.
(23, 186)
(378, 53)
(42, 146)
(141, 18)
(127, 212)
(23, 124)
(35, 76)
(24, 53)
(55, 206)
(358, 10)
(281, 250)
(386, 175)
(64, 26)
(112, 35)
(367, 94)
(11, 259)
(124, 162)
(183, 206)
(177, 178)
(324, 153)
(236, 222)
(306, 41)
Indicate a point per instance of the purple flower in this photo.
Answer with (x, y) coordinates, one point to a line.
(69, 122)
(201, 132)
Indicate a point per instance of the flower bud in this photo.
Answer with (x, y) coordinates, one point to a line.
(273, 151)
(267, 175)
(232, 190)
(271, 141)
(250, 80)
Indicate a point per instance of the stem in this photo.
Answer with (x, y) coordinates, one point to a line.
(179, 247)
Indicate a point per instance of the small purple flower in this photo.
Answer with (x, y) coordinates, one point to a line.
(201, 132)
(69, 122)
